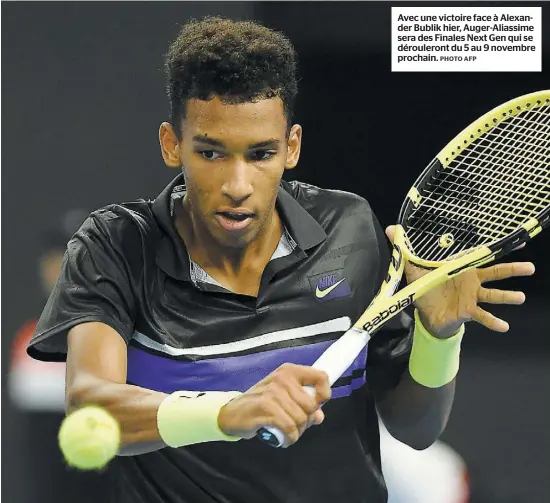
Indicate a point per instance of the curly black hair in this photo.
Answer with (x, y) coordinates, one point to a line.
(239, 61)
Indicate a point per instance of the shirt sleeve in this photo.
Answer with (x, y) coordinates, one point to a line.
(94, 285)
(390, 348)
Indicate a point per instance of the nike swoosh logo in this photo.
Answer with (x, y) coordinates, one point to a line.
(323, 293)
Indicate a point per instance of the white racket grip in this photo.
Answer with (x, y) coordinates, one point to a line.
(342, 353)
(334, 361)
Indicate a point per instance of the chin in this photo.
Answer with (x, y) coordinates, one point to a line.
(232, 240)
(236, 242)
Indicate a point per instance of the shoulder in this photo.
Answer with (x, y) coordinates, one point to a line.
(331, 207)
(120, 224)
(125, 233)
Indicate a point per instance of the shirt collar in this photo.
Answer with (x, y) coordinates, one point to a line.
(172, 255)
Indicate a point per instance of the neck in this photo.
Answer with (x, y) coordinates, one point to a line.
(228, 261)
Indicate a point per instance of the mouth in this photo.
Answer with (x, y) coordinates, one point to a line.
(234, 220)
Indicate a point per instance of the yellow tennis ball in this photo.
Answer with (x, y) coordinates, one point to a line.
(89, 438)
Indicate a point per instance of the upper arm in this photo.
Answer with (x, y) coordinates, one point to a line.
(96, 349)
(95, 352)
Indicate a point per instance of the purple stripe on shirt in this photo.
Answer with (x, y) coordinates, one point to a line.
(346, 390)
(228, 373)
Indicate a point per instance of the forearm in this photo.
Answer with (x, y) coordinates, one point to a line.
(416, 411)
(414, 414)
(133, 407)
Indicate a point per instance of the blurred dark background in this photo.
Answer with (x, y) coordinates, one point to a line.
(83, 96)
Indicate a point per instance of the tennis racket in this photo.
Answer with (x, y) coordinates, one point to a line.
(484, 194)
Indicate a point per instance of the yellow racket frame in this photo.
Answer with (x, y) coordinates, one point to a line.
(383, 307)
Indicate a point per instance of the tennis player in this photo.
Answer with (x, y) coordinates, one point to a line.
(194, 318)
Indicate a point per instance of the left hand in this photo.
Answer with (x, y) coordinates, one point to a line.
(445, 308)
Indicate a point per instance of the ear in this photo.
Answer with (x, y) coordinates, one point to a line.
(169, 145)
(294, 145)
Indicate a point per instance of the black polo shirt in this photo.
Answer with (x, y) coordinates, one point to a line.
(127, 267)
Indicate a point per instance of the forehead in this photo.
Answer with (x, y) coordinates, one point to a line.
(229, 121)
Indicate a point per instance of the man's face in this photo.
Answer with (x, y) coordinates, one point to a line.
(233, 158)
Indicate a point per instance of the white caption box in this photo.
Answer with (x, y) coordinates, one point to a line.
(466, 39)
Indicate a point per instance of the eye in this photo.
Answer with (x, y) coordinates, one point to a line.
(262, 155)
(211, 155)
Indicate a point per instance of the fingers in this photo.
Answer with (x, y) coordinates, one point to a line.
(504, 271)
(276, 414)
(317, 417)
(294, 419)
(489, 320)
(323, 390)
(288, 405)
(306, 402)
(306, 376)
(494, 296)
(390, 232)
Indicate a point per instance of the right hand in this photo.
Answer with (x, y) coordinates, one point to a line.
(278, 400)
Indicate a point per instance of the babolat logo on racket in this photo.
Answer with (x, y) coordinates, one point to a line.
(402, 304)
(330, 285)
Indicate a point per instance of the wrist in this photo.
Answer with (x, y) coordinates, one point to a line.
(187, 417)
(434, 362)
(224, 418)
(445, 332)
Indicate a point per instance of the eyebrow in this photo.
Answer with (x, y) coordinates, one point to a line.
(217, 143)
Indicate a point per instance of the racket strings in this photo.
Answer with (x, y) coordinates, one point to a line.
(538, 181)
(465, 234)
(494, 156)
(449, 202)
(484, 234)
(506, 169)
(524, 190)
(493, 228)
(496, 184)
(535, 160)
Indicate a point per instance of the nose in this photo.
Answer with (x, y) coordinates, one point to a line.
(238, 182)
